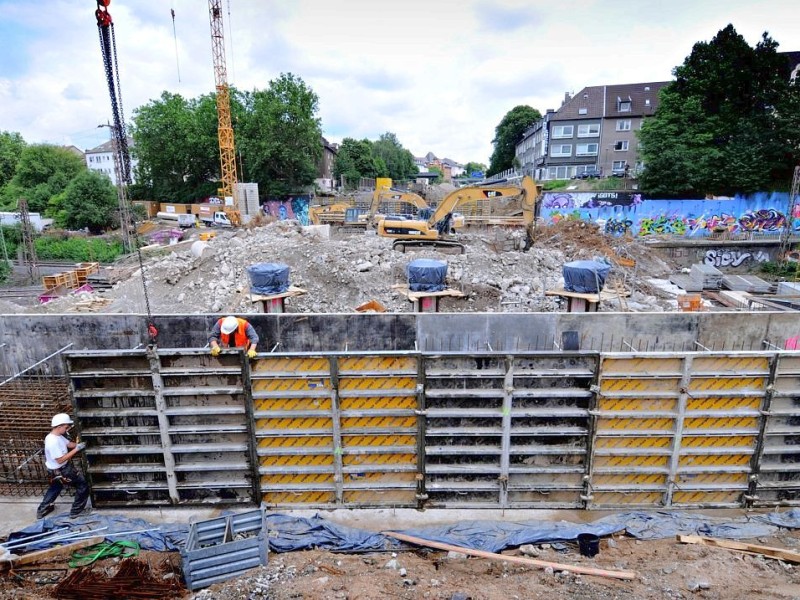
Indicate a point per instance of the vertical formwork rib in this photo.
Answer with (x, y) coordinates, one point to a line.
(163, 425)
(336, 431)
(505, 437)
(674, 460)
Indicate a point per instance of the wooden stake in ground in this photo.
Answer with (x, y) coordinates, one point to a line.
(769, 552)
(42, 555)
(531, 562)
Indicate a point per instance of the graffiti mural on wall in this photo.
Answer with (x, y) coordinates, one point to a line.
(721, 257)
(284, 209)
(621, 213)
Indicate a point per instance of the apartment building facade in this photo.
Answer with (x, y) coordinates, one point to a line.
(101, 160)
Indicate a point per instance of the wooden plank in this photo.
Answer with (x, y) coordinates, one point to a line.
(290, 293)
(403, 289)
(43, 555)
(515, 559)
(768, 551)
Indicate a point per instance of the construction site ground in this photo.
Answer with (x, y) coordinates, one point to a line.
(664, 568)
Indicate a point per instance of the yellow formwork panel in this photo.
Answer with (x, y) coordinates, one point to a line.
(306, 441)
(725, 384)
(706, 497)
(633, 442)
(290, 364)
(639, 386)
(354, 460)
(290, 384)
(733, 441)
(723, 403)
(636, 404)
(296, 460)
(644, 366)
(278, 480)
(378, 422)
(398, 364)
(323, 423)
(292, 404)
(701, 479)
(381, 478)
(290, 498)
(722, 423)
(360, 441)
(721, 365)
(376, 383)
(634, 424)
(378, 403)
(630, 479)
(653, 461)
(371, 497)
(714, 460)
(601, 499)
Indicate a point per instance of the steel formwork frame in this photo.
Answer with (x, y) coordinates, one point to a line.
(448, 429)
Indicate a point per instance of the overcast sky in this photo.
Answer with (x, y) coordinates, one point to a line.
(439, 74)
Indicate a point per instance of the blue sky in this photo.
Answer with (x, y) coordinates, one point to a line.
(440, 75)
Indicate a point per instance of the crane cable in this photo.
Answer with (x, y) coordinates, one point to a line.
(108, 48)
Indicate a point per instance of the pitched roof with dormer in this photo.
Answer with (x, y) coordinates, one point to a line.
(107, 147)
(643, 98)
(586, 104)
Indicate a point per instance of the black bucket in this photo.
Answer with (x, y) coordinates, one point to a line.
(588, 544)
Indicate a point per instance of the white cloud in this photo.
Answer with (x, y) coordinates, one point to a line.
(440, 75)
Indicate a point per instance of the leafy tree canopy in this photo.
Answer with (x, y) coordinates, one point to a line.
(89, 200)
(474, 167)
(727, 124)
(399, 162)
(355, 160)
(507, 134)
(11, 146)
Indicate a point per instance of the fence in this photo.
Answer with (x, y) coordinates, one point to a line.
(549, 429)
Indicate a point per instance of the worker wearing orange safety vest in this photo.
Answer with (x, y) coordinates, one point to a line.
(232, 332)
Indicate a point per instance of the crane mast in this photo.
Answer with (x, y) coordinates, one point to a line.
(227, 147)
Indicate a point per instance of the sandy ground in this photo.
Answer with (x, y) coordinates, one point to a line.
(663, 568)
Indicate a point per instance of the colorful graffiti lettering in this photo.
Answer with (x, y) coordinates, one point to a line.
(617, 227)
(733, 258)
(663, 224)
(715, 223)
(602, 199)
(766, 219)
(559, 201)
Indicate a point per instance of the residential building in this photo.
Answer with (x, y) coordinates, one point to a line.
(593, 130)
(324, 179)
(101, 159)
(447, 166)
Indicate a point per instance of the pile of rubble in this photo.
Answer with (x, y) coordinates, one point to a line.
(340, 272)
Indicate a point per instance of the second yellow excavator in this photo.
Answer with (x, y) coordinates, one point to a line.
(517, 201)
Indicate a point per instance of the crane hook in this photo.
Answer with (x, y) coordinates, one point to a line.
(101, 14)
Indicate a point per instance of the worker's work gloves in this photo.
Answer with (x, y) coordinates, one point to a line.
(215, 351)
(80, 446)
(251, 353)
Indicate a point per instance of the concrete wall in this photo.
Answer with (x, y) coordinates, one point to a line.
(729, 256)
(29, 338)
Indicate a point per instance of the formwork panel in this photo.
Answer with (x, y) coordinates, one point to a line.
(779, 462)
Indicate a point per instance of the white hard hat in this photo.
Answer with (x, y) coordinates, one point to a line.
(60, 419)
(229, 325)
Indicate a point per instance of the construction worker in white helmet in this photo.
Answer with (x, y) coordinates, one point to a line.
(233, 332)
(58, 453)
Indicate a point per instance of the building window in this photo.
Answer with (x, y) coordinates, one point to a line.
(586, 150)
(618, 166)
(591, 130)
(562, 131)
(583, 111)
(561, 150)
(623, 125)
(558, 172)
(647, 102)
(624, 105)
(623, 145)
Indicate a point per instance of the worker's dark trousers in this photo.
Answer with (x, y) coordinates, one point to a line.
(76, 479)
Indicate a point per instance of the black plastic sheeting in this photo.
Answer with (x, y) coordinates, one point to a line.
(288, 533)
(585, 276)
(426, 275)
(268, 278)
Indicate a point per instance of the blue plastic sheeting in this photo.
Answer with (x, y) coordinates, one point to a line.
(585, 276)
(289, 534)
(426, 275)
(268, 278)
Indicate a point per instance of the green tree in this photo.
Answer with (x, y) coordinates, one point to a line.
(399, 162)
(474, 167)
(727, 124)
(42, 172)
(281, 139)
(507, 134)
(355, 160)
(439, 173)
(11, 147)
(90, 200)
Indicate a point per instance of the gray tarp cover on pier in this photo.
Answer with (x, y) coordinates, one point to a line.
(288, 533)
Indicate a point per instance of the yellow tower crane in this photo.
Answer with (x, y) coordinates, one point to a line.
(227, 146)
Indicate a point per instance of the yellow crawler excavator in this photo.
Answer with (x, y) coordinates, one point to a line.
(518, 200)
